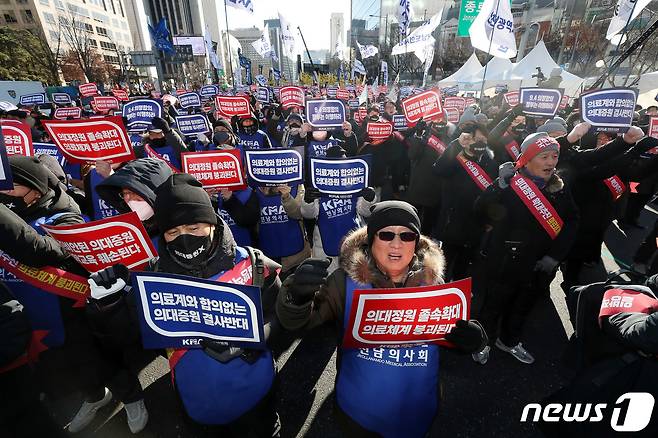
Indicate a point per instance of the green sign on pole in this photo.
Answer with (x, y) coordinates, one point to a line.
(469, 10)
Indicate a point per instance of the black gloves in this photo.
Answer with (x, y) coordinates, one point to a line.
(505, 173)
(368, 194)
(307, 279)
(108, 276)
(108, 281)
(311, 194)
(468, 336)
(420, 127)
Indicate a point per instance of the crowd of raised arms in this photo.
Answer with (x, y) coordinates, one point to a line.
(498, 196)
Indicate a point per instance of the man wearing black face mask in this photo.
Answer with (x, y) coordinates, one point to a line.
(238, 385)
(164, 141)
(251, 137)
(466, 170)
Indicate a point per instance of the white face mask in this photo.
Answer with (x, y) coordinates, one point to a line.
(142, 208)
(319, 135)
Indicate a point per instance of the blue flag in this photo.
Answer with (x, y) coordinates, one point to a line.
(161, 38)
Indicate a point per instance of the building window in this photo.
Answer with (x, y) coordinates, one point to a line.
(49, 18)
(108, 46)
(121, 7)
(10, 17)
(93, 43)
(101, 30)
(44, 2)
(111, 59)
(28, 18)
(21, 2)
(59, 4)
(54, 35)
(89, 28)
(5, 2)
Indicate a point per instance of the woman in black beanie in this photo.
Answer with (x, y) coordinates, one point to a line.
(374, 397)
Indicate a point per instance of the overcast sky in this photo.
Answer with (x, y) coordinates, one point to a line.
(312, 16)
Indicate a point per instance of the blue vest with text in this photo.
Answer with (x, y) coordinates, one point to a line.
(278, 235)
(220, 393)
(318, 149)
(240, 234)
(336, 217)
(391, 391)
(101, 209)
(254, 141)
(169, 155)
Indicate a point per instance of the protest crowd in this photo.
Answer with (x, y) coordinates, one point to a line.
(199, 225)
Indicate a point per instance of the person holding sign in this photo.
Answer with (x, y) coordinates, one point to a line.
(336, 216)
(377, 396)
(217, 384)
(251, 137)
(466, 169)
(165, 142)
(533, 222)
(598, 178)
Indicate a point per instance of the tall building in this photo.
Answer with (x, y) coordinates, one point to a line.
(245, 37)
(104, 21)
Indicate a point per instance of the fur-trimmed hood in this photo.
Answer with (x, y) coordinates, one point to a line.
(555, 184)
(426, 268)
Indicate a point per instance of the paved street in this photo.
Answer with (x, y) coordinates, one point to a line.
(478, 401)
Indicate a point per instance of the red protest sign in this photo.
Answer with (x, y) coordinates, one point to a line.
(120, 94)
(512, 98)
(65, 113)
(103, 104)
(100, 244)
(87, 90)
(361, 114)
(564, 102)
(291, 96)
(406, 315)
(18, 138)
(216, 169)
(379, 130)
(653, 127)
(470, 101)
(452, 114)
(454, 102)
(90, 140)
(233, 105)
(342, 94)
(426, 105)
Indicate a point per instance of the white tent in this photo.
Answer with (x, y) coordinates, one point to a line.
(470, 67)
(499, 71)
(539, 57)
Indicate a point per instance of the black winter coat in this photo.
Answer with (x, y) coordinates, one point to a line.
(517, 240)
(458, 224)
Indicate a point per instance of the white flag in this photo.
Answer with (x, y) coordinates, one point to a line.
(245, 5)
(419, 38)
(492, 30)
(393, 93)
(363, 98)
(339, 51)
(625, 12)
(262, 45)
(367, 51)
(429, 57)
(384, 70)
(404, 17)
(212, 54)
(287, 36)
(359, 67)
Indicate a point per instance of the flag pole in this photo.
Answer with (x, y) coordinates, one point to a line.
(228, 43)
(484, 75)
(621, 41)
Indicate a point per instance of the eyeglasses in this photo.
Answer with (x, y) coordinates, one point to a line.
(405, 236)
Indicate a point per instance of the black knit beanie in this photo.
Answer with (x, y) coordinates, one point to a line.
(386, 213)
(29, 172)
(182, 200)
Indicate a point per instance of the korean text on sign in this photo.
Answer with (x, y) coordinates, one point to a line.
(216, 169)
(380, 317)
(91, 140)
(178, 311)
(100, 244)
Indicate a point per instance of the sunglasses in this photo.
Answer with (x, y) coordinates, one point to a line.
(405, 236)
